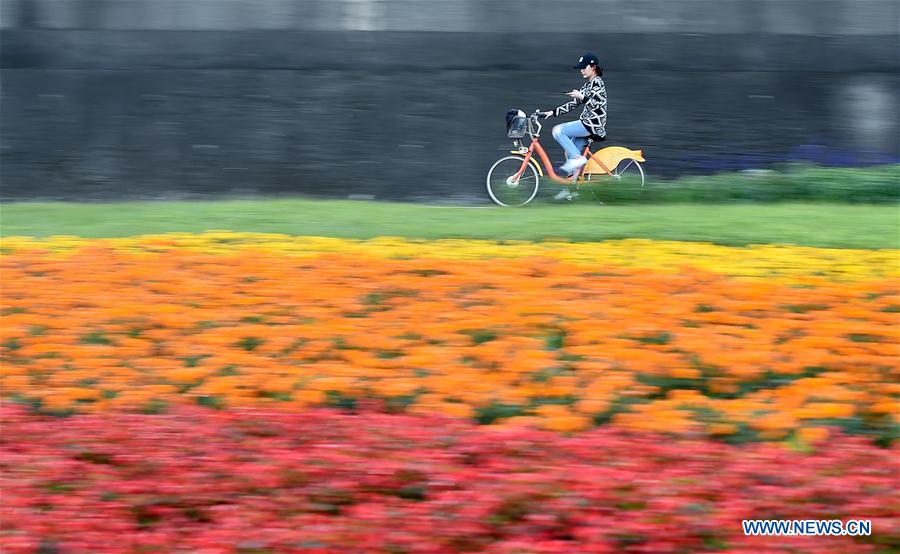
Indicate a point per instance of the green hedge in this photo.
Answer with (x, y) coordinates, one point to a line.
(873, 185)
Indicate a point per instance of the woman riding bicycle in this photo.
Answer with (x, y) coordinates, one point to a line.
(572, 136)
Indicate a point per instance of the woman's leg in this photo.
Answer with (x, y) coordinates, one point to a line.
(567, 133)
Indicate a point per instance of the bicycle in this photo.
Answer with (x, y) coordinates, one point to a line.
(515, 180)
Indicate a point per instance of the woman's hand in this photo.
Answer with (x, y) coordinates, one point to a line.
(576, 94)
(547, 114)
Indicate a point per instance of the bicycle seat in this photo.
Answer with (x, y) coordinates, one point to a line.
(595, 138)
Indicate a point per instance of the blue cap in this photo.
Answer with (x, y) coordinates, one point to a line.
(586, 60)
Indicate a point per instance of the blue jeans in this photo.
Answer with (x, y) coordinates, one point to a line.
(572, 136)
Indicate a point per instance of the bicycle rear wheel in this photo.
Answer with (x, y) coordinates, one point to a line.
(504, 189)
(629, 174)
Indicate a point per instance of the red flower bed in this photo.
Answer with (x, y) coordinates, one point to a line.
(205, 481)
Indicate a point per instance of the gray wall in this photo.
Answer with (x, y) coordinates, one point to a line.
(790, 17)
(405, 99)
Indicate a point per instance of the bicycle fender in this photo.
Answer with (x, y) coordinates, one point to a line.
(608, 158)
(531, 161)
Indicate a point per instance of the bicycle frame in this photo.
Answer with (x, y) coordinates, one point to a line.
(548, 166)
(535, 135)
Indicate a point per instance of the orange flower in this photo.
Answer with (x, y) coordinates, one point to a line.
(812, 435)
(248, 328)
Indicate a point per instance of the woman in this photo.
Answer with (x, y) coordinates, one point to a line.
(572, 136)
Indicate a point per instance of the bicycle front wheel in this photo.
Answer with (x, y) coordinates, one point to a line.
(503, 187)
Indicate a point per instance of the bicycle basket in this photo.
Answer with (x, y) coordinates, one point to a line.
(516, 123)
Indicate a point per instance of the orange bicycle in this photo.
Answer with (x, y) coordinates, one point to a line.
(515, 180)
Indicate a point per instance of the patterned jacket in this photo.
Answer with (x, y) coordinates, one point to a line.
(594, 114)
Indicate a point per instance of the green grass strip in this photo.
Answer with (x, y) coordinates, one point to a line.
(822, 225)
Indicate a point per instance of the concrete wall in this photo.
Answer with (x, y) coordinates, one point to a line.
(405, 98)
(791, 17)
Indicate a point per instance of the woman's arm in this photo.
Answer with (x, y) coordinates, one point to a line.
(567, 107)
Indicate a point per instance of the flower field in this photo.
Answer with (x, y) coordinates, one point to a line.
(267, 481)
(225, 392)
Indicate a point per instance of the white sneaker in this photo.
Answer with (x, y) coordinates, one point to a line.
(573, 164)
(565, 194)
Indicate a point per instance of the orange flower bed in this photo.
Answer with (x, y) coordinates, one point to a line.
(551, 343)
